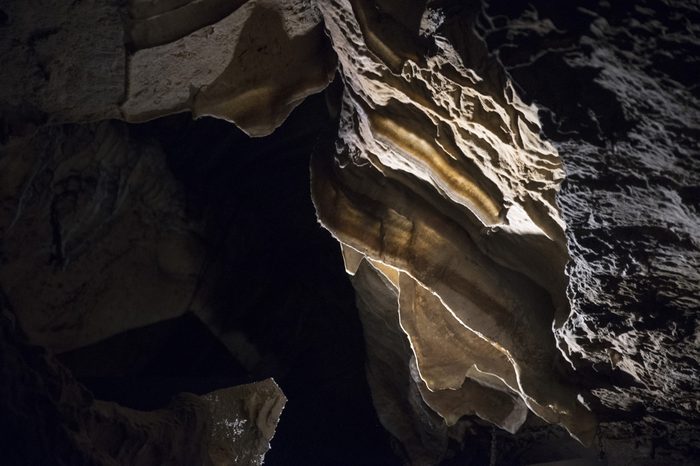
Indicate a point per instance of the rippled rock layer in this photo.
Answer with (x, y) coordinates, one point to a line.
(442, 183)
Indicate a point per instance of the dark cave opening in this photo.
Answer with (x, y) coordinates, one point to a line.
(275, 280)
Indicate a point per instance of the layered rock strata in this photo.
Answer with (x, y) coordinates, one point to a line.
(441, 178)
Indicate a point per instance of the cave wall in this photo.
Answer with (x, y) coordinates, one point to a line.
(626, 130)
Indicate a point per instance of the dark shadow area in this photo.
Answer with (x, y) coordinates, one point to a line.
(272, 275)
(145, 367)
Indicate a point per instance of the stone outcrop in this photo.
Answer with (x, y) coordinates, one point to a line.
(228, 59)
(441, 175)
(626, 130)
(80, 205)
(49, 418)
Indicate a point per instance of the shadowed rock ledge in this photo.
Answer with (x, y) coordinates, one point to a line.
(49, 418)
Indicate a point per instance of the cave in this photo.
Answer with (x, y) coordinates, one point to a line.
(349, 232)
(283, 275)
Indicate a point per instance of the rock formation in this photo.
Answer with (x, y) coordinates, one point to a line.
(626, 131)
(150, 59)
(81, 204)
(443, 179)
(49, 418)
(513, 187)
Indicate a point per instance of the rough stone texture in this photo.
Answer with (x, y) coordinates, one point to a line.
(62, 60)
(80, 206)
(249, 62)
(243, 420)
(440, 174)
(627, 130)
(623, 116)
(49, 418)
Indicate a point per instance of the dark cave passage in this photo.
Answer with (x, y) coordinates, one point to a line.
(274, 279)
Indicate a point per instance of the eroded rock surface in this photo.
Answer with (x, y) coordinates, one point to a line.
(49, 418)
(63, 61)
(423, 184)
(441, 175)
(249, 62)
(627, 134)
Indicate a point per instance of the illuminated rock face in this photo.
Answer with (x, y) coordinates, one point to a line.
(443, 184)
(249, 62)
(641, 296)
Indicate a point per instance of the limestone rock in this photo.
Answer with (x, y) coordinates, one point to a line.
(81, 206)
(476, 380)
(396, 398)
(244, 419)
(249, 62)
(48, 418)
(441, 174)
(514, 187)
(626, 131)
